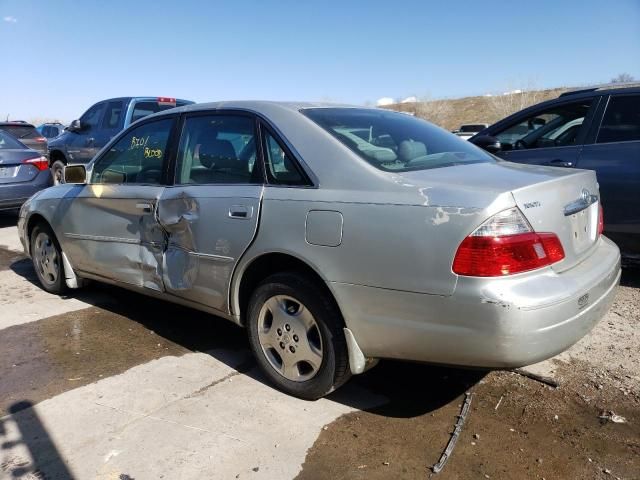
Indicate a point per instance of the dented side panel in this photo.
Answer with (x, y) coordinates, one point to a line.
(111, 231)
(208, 229)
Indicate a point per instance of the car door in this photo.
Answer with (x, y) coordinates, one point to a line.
(614, 153)
(110, 225)
(211, 212)
(82, 147)
(548, 136)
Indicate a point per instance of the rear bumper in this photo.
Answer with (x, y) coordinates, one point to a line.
(495, 323)
(13, 195)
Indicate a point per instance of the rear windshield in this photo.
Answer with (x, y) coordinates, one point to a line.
(21, 132)
(8, 142)
(395, 142)
(142, 109)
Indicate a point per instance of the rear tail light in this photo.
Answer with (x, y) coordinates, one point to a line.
(40, 139)
(600, 220)
(41, 163)
(506, 244)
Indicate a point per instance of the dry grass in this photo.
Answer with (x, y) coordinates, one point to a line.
(451, 113)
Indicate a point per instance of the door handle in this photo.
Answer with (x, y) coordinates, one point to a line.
(145, 207)
(240, 211)
(560, 163)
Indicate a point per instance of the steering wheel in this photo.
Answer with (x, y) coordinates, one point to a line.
(520, 145)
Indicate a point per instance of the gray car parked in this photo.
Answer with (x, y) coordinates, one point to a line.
(336, 236)
(23, 172)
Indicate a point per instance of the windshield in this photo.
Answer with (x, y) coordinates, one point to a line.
(395, 142)
(8, 142)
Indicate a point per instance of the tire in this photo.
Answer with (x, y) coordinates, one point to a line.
(296, 333)
(57, 172)
(46, 256)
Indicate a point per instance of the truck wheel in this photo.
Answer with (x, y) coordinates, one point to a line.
(57, 171)
(295, 332)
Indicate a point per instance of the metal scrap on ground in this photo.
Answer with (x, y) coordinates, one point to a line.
(454, 436)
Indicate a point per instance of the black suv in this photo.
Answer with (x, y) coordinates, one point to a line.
(83, 138)
(594, 128)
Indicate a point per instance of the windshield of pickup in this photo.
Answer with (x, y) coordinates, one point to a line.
(393, 141)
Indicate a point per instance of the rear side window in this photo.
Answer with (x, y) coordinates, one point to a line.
(145, 108)
(621, 122)
(281, 168)
(395, 142)
(22, 132)
(218, 149)
(113, 115)
(138, 157)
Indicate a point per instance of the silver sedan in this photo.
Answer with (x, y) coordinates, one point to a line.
(336, 236)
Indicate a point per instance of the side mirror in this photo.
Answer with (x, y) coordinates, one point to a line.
(75, 174)
(75, 126)
(488, 143)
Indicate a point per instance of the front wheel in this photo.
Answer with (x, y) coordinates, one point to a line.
(47, 259)
(295, 332)
(57, 171)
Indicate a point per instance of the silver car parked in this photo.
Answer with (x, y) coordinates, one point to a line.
(336, 236)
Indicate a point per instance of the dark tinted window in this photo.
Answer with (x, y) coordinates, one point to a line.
(218, 149)
(21, 132)
(472, 128)
(142, 109)
(281, 168)
(91, 118)
(621, 122)
(137, 157)
(394, 141)
(113, 115)
(8, 142)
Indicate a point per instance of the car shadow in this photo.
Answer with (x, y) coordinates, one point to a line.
(411, 389)
(8, 219)
(630, 277)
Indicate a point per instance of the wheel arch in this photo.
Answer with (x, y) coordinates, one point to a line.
(33, 220)
(55, 155)
(261, 267)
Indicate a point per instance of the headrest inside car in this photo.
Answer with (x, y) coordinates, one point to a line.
(409, 149)
(214, 153)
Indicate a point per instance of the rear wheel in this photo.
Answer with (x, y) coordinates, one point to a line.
(57, 171)
(47, 259)
(295, 332)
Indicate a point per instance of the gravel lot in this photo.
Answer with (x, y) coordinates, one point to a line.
(111, 384)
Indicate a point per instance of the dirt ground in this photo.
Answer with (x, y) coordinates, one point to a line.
(517, 428)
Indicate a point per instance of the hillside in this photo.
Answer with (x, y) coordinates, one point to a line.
(451, 113)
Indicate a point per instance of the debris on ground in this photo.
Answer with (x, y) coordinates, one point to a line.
(454, 436)
(610, 416)
(538, 378)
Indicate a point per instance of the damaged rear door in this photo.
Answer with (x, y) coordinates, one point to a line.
(111, 225)
(210, 214)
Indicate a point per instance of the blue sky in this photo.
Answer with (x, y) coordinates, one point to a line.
(61, 56)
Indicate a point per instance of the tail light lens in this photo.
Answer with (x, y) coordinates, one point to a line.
(41, 163)
(600, 220)
(40, 139)
(506, 244)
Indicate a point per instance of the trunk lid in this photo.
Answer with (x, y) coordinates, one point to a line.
(556, 200)
(568, 207)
